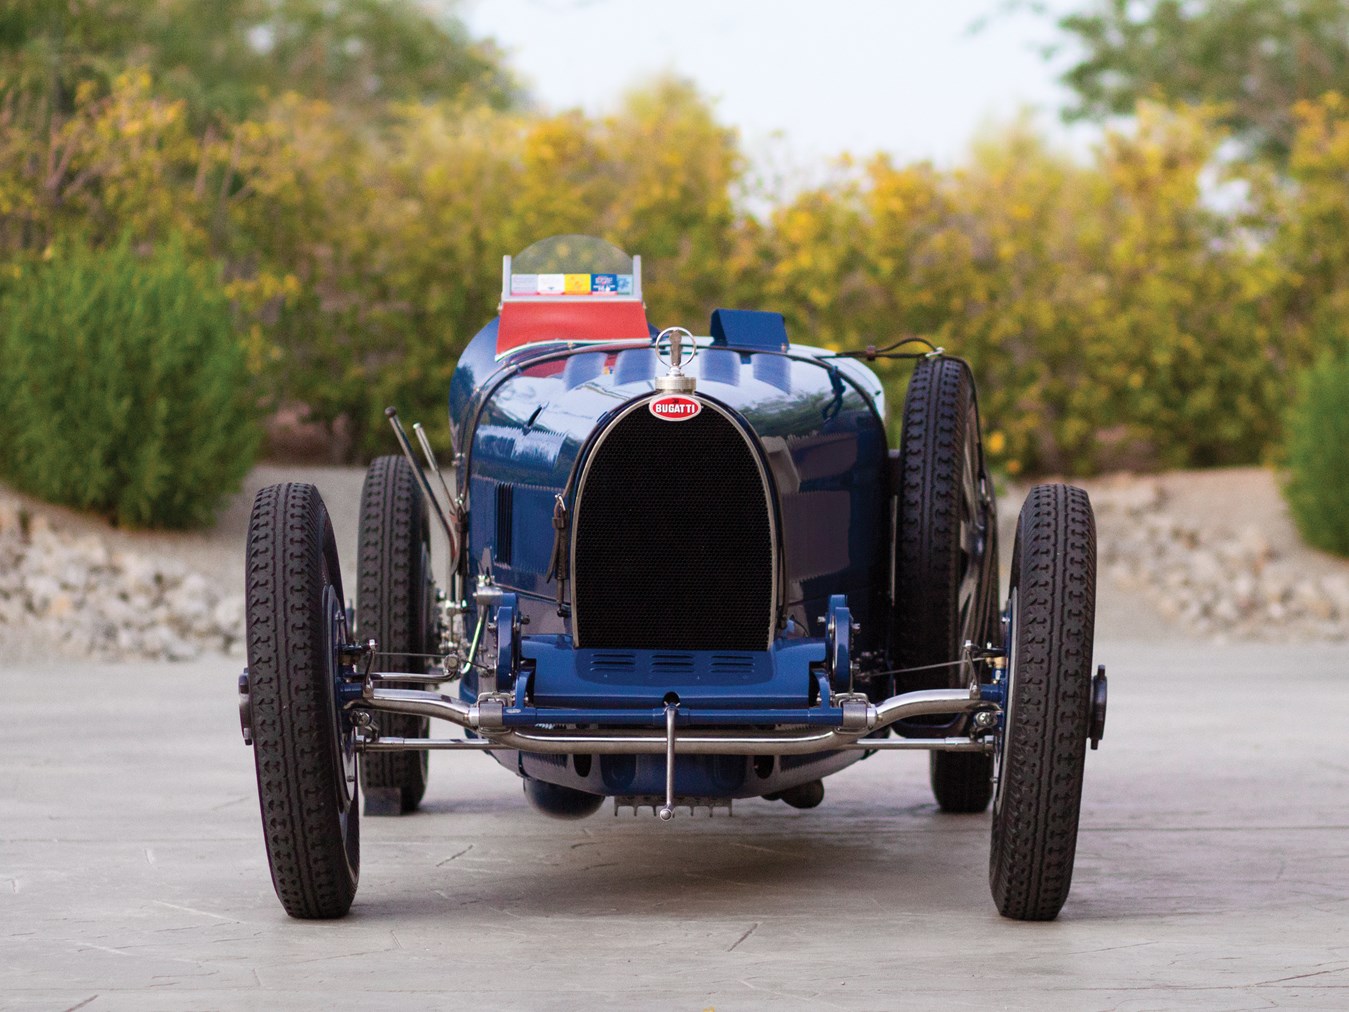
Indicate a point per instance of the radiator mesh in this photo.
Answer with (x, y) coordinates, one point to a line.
(674, 540)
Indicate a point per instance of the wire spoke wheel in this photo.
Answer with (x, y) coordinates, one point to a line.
(973, 539)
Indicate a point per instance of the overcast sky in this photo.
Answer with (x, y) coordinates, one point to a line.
(803, 81)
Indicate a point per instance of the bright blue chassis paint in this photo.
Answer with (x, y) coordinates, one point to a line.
(713, 689)
(527, 419)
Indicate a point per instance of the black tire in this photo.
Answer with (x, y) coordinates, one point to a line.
(1042, 747)
(946, 555)
(303, 746)
(394, 598)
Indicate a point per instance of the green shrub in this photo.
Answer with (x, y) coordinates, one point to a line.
(127, 390)
(1317, 455)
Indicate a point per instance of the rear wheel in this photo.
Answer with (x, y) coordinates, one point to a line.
(303, 744)
(1041, 749)
(946, 564)
(394, 598)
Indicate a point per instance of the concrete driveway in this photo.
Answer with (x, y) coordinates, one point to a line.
(1212, 870)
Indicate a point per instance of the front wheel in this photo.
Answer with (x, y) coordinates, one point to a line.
(303, 744)
(1041, 749)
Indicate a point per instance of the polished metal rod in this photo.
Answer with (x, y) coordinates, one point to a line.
(924, 703)
(647, 741)
(862, 744)
(637, 742)
(392, 415)
(434, 465)
(667, 812)
(421, 703)
(434, 677)
(922, 744)
(428, 745)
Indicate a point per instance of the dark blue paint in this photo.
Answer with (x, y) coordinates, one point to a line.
(528, 419)
(823, 438)
(749, 328)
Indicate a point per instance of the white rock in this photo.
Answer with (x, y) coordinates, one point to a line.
(1205, 567)
(1244, 590)
(92, 551)
(141, 577)
(1336, 589)
(228, 616)
(154, 642)
(1275, 588)
(189, 603)
(60, 607)
(130, 642)
(180, 649)
(1309, 599)
(1134, 498)
(1253, 542)
(41, 589)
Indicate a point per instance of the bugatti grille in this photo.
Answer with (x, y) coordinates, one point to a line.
(674, 539)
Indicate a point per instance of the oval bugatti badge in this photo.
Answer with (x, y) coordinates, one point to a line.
(675, 407)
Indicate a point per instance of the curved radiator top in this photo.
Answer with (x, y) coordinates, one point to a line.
(674, 542)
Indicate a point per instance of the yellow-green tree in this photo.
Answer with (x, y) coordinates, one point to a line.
(1110, 316)
(1305, 225)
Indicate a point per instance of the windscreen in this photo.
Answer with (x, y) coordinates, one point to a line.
(572, 265)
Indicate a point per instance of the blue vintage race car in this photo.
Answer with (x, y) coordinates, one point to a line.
(683, 570)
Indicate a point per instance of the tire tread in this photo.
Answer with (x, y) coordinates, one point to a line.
(1035, 828)
(933, 444)
(288, 562)
(393, 529)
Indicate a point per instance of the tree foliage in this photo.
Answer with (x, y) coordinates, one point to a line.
(1253, 59)
(128, 392)
(1110, 319)
(1318, 467)
(1114, 316)
(228, 57)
